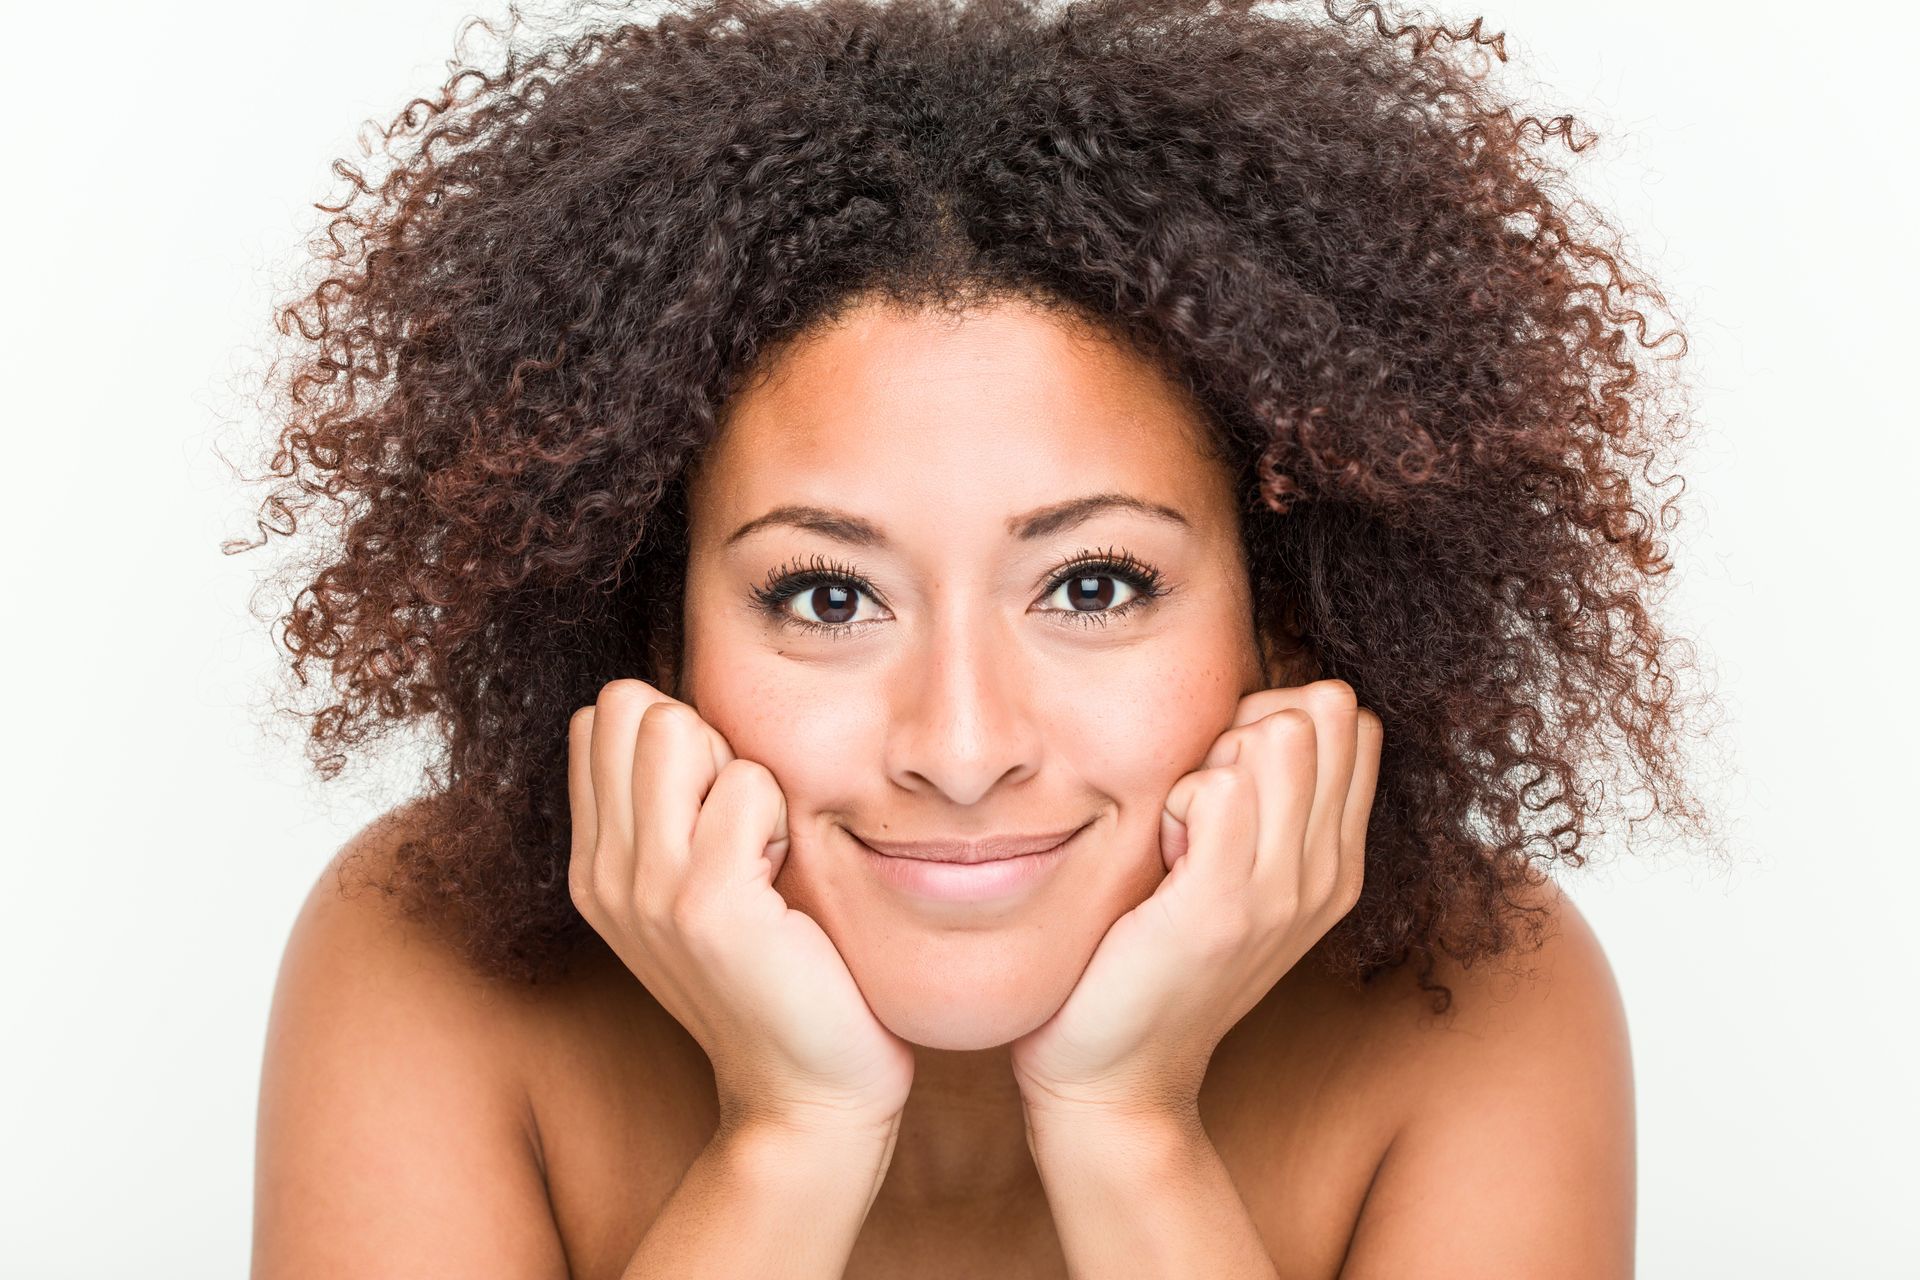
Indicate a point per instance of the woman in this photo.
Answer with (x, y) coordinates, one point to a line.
(1001, 585)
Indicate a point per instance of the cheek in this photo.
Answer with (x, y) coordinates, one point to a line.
(804, 731)
(1154, 719)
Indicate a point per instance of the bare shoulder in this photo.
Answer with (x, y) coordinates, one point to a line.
(1520, 1094)
(394, 1131)
(1565, 986)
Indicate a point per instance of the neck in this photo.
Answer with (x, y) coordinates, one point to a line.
(963, 1138)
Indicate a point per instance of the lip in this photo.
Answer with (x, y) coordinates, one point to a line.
(991, 880)
(991, 849)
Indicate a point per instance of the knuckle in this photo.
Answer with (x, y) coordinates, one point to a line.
(618, 690)
(1264, 702)
(1335, 694)
(757, 783)
(731, 783)
(1292, 729)
(663, 717)
(746, 774)
(1292, 720)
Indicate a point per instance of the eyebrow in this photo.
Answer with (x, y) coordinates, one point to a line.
(1041, 522)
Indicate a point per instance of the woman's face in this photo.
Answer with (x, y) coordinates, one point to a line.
(946, 673)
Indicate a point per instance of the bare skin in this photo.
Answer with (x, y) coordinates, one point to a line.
(540, 1130)
(1301, 1122)
(1365, 1137)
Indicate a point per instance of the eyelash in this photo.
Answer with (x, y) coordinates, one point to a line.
(789, 580)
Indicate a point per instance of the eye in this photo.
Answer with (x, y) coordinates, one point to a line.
(1084, 584)
(826, 589)
(823, 595)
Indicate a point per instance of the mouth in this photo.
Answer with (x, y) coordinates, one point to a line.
(988, 849)
(989, 879)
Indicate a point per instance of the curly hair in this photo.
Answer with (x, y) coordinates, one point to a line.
(1410, 343)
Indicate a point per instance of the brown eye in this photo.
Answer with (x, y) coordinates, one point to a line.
(830, 602)
(1090, 592)
(1095, 588)
(822, 596)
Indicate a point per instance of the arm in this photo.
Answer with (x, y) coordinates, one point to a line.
(761, 1202)
(1144, 1198)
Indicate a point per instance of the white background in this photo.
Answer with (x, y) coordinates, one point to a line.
(160, 832)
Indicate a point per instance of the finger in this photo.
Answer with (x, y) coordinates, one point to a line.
(1263, 703)
(1275, 768)
(1286, 752)
(740, 835)
(1219, 808)
(580, 782)
(1332, 707)
(1369, 734)
(616, 719)
(673, 769)
(717, 745)
(1335, 713)
(1278, 751)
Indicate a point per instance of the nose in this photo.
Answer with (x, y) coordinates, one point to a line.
(962, 719)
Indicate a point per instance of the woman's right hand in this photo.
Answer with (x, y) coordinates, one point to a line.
(676, 844)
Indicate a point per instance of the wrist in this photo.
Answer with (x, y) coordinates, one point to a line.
(804, 1121)
(772, 1155)
(1057, 1132)
(805, 1131)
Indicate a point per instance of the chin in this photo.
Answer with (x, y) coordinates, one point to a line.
(945, 1019)
(970, 990)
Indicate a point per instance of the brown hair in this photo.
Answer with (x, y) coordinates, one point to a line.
(1425, 367)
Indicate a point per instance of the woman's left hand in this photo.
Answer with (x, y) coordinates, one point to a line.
(1264, 848)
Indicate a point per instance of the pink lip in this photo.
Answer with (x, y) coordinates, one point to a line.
(985, 881)
(991, 849)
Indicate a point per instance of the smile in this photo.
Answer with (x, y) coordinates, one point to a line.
(995, 880)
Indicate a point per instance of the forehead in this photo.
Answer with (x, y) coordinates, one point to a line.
(918, 415)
